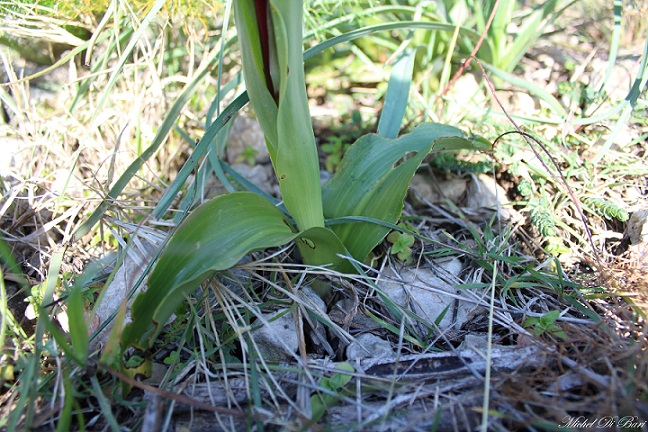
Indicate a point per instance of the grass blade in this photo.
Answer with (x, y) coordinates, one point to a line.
(397, 95)
(628, 104)
(105, 405)
(530, 88)
(28, 381)
(404, 25)
(159, 138)
(203, 146)
(150, 16)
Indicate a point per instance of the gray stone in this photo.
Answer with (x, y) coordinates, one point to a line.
(368, 345)
(260, 176)
(436, 192)
(477, 343)
(637, 229)
(313, 298)
(246, 132)
(116, 293)
(484, 192)
(429, 293)
(277, 338)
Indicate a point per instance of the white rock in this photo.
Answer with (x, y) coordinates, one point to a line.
(260, 176)
(453, 266)
(277, 338)
(246, 132)
(134, 263)
(436, 192)
(486, 193)
(368, 345)
(428, 293)
(637, 229)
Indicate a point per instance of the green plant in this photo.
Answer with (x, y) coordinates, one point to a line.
(401, 243)
(607, 209)
(248, 155)
(332, 386)
(545, 325)
(365, 193)
(340, 140)
(542, 217)
(335, 148)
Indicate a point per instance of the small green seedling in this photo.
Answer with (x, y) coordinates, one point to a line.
(545, 325)
(248, 155)
(321, 402)
(334, 149)
(401, 244)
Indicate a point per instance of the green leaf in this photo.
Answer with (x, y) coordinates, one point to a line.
(319, 403)
(77, 324)
(401, 244)
(261, 100)
(373, 179)
(397, 95)
(321, 247)
(297, 161)
(214, 237)
(549, 318)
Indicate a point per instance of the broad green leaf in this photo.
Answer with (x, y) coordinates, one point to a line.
(320, 247)
(214, 237)
(373, 179)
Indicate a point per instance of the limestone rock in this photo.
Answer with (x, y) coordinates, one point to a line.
(116, 293)
(436, 192)
(430, 293)
(368, 345)
(260, 176)
(277, 338)
(637, 229)
(486, 193)
(246, 132)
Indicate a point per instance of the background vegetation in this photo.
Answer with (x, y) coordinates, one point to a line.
(105, 110)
